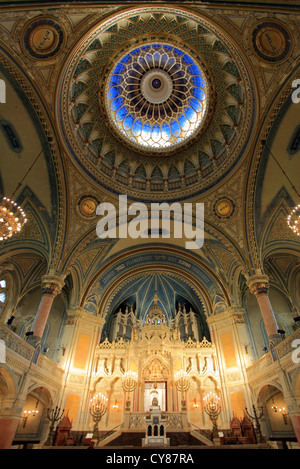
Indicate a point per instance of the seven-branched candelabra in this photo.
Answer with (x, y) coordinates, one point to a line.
(182, 381)
(212, 407)
(129, 383)
(98, 407)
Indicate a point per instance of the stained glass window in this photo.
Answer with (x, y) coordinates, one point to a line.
(156, 96)
(2, 293)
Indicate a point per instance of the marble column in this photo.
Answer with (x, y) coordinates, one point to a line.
(11, 410)
(51, 287)
(295, 419)
(259, 286)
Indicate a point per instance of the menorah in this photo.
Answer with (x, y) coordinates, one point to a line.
(256, 418)
(212, 407)
(182, 381)
(98, 407)
(129, 383)
(54, 415)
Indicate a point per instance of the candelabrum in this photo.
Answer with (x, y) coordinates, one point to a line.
(54, 415)
(256, 418)
(212, 407)
(129, 383)
(98, 407)
(182, 381)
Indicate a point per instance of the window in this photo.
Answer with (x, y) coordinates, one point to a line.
(2, 293)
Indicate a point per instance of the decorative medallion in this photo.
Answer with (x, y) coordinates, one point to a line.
(271, 41)
(43, 39)
(156, 97)
(87, 206)
(224, 208)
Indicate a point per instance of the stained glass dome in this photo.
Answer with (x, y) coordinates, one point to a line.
(156, 97)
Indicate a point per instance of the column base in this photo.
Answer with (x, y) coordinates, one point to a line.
(34, 341)
(275, 339)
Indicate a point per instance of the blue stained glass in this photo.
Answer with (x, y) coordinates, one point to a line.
(187, 59)
(115, 80)
(198, 93)
(137, 128)
(183, 122)
(175, 128)
(135, 51)
(164, 59)
(194, 70)
(198, 81)
(114, 92)
(116, 104)
(127, 124)
(178, 52)
(2, 297)
(121, 114)
(146, 132)
(126, 59)
(156, 59)
(166, 132)
(195, 104)
(119, 69)
(190, 113)
(156, 133)
(181, 112)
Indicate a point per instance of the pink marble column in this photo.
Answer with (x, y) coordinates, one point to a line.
(296, 426)
(259, 286)
(51, 287)
(8, 427)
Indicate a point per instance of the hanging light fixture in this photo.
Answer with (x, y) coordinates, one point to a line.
(293, 219)
(12, 217)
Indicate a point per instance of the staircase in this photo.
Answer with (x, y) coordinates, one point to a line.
(134, 439)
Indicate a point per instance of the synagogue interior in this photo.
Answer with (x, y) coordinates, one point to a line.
(149, 224)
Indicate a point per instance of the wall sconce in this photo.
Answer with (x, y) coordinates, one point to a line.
(284, 413)
(195, 405)
(28, 413)
(115, 405)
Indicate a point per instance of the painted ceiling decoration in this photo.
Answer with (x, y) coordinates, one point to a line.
(156, 97)
(130, 109)
(271, 41)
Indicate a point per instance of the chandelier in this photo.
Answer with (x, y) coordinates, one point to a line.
(12, 218)
(293, 219)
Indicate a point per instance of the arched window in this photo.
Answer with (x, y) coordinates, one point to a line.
(2, 294)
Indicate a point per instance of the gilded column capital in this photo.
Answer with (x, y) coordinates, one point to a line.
(52, 285)
(258, 284)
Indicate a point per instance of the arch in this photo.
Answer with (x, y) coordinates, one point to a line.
(8, 382)
(182, 263)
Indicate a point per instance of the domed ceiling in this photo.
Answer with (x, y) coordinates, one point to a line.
(156, 104)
